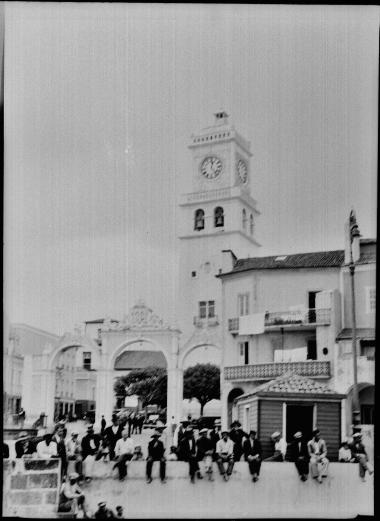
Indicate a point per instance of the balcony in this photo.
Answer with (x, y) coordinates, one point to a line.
(206, 321)
(289, 320)
(310, 368)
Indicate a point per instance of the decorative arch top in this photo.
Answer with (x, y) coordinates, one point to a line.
(140, 317)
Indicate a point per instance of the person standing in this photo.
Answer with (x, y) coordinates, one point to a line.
(73, 451)
(299, 454)
(90, 447)
(318, 461)
(280, 448)
(225, 454)
(124, 450)
(21, 417)
(61, 448)
(215, 436)
(253, 454)
(237, 435)
(188, 450)
(156, 452)
(360, 455)
(113, 433)
(103, 424)
(205, 451)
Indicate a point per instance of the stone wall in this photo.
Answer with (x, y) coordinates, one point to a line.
(31, 487)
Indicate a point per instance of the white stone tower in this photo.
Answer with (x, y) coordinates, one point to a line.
(219, 214)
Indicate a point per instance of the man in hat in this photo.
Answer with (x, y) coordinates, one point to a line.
(179, 435)
(47, 448)
(188, 451)
(113, 433)
(299, 454)
(237, 435)
(73, 450)
(225, 454)
(90, 447)
(253, 454)
(205, 451)
(124, 450)
(61, 447)
(215, 436)
(71, 497)
(103, 512)
(156, 452)
(317, 451)
(280, 447)
(360, 455)
(23, 445)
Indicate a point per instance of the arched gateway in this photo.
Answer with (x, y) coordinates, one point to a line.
(139, 331)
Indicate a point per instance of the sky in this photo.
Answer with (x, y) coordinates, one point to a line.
(100, 104)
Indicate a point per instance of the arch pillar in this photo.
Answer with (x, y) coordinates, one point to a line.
(48, 394)
(104, 398)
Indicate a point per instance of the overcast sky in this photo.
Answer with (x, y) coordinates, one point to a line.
(100, 102)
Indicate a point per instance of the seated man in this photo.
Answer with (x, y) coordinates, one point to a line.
(47, 448)
(205, 451)
(253, 454)
(156, 452)
(317, 452)
(360, 455)
(103, 512)
(225, 453)
(71, 496)
(124, 451)
(299, 454)
(280, 447)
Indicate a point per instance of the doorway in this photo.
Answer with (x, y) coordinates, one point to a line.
(312, 311)
(299, 417)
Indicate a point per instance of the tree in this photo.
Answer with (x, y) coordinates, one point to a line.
(149, 384)
(202, 381)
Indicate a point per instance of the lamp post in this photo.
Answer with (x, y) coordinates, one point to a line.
(354, 233)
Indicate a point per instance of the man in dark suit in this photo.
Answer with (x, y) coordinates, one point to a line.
(253, 454)
(90, 447)
(299, 453)
(61, 447)
(156, 452)
(237, 435)
(188, 450)
(112, 434)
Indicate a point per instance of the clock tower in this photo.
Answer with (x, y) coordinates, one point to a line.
(219, 214)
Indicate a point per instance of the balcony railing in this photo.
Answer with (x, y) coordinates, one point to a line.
(289, 318)
(206, 321)
(272, 370)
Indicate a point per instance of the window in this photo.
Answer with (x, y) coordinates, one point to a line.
(367, 414)
(207, 309)
(199, 220)
(244, 352)
(312, 349)
(244, 219)
(367, 348)
(218, 217)
(193, 274)
(243, 304)
(371, 299)
(251, 224)
(87, 360)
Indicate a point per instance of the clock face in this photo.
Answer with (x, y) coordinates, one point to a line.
(242, 170)
(211, 167)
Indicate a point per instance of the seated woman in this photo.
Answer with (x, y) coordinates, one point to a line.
(71, 496)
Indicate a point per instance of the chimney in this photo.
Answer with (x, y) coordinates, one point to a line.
(228, 261)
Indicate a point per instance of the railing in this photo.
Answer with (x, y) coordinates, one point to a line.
(205, 322)
(272, 370)
(288, 318)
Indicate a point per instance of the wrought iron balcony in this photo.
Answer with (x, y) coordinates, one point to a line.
(310, 317)
(311, 368)
(206, 321)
